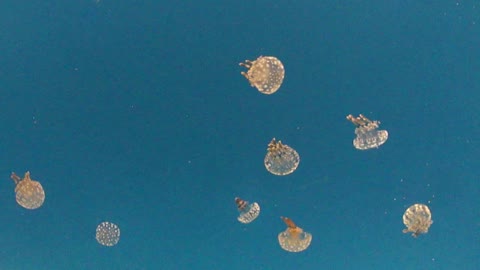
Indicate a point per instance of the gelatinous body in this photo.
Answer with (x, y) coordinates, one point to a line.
(248, 211)
(28, 193)
(294, 239)
(266, 73)
(418, 219)
(281, 159)
(107, 234)
(367, 134)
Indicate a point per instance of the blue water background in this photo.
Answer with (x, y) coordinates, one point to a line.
(135, 112)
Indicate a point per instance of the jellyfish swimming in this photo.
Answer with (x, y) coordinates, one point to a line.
(418, 219)
(248, 212)
(294, 239)
(281, 159)
(107, 234)
(28, 193)
(266, 74)
(368, 136)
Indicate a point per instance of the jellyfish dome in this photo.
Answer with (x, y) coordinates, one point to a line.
(248, 212)
(266, 74)
(28, 193)
(418, 219)
(368, 136)
(107, 234)
(294, 239)
(281, 159)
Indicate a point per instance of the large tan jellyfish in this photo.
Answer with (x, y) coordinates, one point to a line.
(281, 159)
(418, 219)
(29, 193)
(367, 134)
(266, 74)
(248, 211)
(294, 239)
(107, 234)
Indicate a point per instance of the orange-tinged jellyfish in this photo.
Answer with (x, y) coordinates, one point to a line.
(294, 239)
(248, 211)
(28, 193)
(367, 134)
(266, 74)
(107, 234)
(281, 159)
(418, 219)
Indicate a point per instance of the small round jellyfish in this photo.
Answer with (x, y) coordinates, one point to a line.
(418, 219)
(367, 134)
(294, 239)
(281, 159)
(107, 234)
(29, 193)
(266, 74)
(248, 211)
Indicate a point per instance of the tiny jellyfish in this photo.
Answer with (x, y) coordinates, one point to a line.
(294, 239)
(418, 219)
(248, 211)
(29, 193)
(367, 134)
(281, 159)
(107, 234)
(266, 74)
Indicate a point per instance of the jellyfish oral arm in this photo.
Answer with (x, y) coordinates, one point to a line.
(241, 204)
(15, 178)
(289, 222)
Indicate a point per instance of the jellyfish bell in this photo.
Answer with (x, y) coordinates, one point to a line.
(266, 73)
(368, 136)
(28, 193)
(293, 239)
(418, 219)
(281, 159)
(107, 234)
(247, 212)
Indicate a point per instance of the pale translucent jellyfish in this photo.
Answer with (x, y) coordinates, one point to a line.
(266, 73)
(248, 212)
(294, 239)
(418, 219)
(28, 193)
(281, 159)
(367, 134)
(107, 234)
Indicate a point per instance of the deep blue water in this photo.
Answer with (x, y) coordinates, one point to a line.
(135, 112)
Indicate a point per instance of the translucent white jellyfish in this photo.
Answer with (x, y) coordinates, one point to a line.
(107, 234)
(266, 74)
(367, 134)
(28, 193)
(281, 159)
(248, 212)
(418, 219)
(294, 239)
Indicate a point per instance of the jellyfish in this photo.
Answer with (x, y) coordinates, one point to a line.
(107, 234)
(266, 74)
(248, 212)
(29, 193)
(367, 134)
(281, 159)
(294, 239)
(418, 219)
